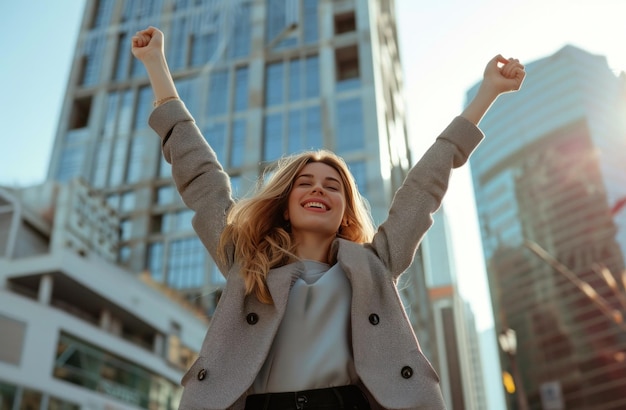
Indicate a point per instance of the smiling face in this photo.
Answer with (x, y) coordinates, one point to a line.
(317, 201)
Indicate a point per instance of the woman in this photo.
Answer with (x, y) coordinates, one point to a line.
(310, 316)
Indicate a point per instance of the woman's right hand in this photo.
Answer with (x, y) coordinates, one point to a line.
(148, 44)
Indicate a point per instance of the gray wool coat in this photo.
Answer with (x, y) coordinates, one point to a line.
(392, 369)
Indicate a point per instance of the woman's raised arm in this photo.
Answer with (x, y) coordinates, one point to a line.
(148, 47)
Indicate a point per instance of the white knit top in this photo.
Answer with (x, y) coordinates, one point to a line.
(312, 348)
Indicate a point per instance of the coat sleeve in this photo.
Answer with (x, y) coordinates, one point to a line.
(199, 177)
(421, 194)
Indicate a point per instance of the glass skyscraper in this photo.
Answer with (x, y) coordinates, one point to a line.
(551, 172)
(263, 78)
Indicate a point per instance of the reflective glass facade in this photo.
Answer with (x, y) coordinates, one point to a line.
(550, 172)
(92, 368)
(18, 397)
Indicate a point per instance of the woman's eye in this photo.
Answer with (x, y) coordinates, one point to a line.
(332, 188)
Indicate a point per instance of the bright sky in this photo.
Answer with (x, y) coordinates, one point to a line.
(444, 46)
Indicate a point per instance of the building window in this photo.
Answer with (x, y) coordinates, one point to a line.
(242, 35)
(347, 72)
(186, 263)
(238, 143)
(179, 221)
(118, 162)
(125, 229)
(143, 108)
(312, 77)
(103, 12)
(124, 255)
(95, 369)
(304, 129)
(345, 22)
(55, 403)
(182, 220)
(136, 9)
(127, 201)
(300, 77)
(310, 31)
(155, 261)
(91, 61)
(31, 399)
(123, 58)
(241, 89)
(274, 84)
(350, 135)
(358, 169)
(156, 224)
(110, 119)
(99, 170)
(79, 117)
(71, 162)
(165, 168)
(125, 115)
(114, 201)
(166, 195)
(273, 137)
(215, 135)
(292, 127)
(291, 23)
(12, 341)
(166, 223)
(137, 159)
(281, 18)
(203, 47)
(312, 133)
(188, 90)
(177, 48)
(218, 93)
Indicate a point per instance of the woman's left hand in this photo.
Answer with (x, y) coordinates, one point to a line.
(504, 75)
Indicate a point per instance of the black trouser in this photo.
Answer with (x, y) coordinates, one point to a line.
(344, 397)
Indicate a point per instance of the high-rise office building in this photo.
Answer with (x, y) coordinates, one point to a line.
(551, 172)
(263, 78)
(458, 357)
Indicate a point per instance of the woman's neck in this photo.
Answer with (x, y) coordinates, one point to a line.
(313, 247)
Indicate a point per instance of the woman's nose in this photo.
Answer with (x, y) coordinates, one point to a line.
(317, 189)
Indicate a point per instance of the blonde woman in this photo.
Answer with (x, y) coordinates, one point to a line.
(310, 317)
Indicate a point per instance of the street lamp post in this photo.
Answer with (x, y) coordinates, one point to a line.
(508, 343)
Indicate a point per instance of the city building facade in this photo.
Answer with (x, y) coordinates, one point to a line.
(458, 354)
(77, 331)
(550, 176)
(263, 78)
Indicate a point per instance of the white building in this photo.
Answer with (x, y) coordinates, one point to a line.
(78, 332)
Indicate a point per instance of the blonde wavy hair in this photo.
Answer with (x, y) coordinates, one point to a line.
(261, 236)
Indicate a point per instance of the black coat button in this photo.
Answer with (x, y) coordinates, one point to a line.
(406, 372)
(201, 374)
(252, 318)
(374, 319)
